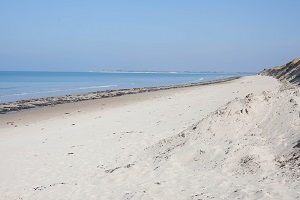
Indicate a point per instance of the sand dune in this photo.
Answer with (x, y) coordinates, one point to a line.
(234, 140)
(247, 149)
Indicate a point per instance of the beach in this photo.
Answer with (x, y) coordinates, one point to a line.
(210, 141)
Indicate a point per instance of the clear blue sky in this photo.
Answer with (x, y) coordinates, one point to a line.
(196, 35)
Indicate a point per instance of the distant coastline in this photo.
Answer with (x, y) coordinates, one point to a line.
(166, 72)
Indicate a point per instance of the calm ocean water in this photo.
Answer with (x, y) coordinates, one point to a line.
(27, 85)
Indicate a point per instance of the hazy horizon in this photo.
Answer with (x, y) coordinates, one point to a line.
(231, 36)
(128, 71)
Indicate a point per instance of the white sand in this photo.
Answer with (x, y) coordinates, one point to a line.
(128, 147)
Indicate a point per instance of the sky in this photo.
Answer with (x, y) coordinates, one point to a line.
(160, 35)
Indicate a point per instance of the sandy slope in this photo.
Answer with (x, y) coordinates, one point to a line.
(161, 145)
(287, 72)
(247, 149)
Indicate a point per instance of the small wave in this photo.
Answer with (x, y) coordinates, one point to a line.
(91, 87)
(58, 90)
(6, 88)
(197, 80)
(222, 76)
(218, 77)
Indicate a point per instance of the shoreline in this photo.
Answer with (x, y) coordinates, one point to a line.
(16, 106)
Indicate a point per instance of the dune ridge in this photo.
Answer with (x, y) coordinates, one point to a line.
(288, 72)
(251, 144)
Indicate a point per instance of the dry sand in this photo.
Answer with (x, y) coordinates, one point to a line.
(185, 143)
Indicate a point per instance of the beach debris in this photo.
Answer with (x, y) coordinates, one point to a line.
(114, 169)
(40, 188)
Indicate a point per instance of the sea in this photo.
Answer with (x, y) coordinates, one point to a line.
(23, 85)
